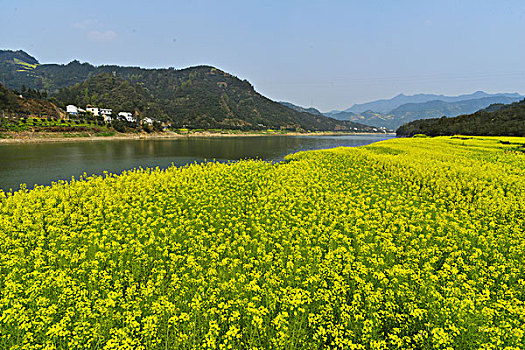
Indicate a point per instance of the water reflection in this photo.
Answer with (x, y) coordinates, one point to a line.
(46, 162)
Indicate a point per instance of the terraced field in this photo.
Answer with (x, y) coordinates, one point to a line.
(406, 243)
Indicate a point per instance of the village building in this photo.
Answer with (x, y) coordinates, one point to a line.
(147, 120)
(72, 109)
(126, 116)
(107, 118)
(93, 110)
(105, 111)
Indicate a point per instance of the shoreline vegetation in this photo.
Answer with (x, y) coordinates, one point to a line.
(37, 137)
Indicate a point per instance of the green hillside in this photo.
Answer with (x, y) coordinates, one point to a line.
(196, 97)
(435, 109)
(423, 106)
(506, 120)
(109, 91)
(30, 104)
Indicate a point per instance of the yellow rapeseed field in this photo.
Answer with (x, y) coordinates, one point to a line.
(406, 243)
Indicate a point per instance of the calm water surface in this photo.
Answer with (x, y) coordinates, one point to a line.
(43, 163)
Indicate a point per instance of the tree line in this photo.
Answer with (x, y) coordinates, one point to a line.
(496, 120)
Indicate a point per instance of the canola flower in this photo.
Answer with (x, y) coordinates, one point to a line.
(406, 243)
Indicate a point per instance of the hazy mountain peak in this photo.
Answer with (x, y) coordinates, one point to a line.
(310, 110)
(384, 106)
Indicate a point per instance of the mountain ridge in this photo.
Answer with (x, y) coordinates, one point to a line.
(310, 110)
(341, 115)
(506, 120)
(193, 97)
(456, 105)
(386, 105)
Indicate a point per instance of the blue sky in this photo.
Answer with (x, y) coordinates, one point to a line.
(328, 54)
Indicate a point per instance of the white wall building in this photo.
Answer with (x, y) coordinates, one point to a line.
(93, 110)
(106, 111)
(147, 120)
(71, 109)
(127, 116)
(107, 118)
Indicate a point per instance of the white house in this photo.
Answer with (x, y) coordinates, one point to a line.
(127, 116)
(147, 120)
(106, 111)
(107, 118)
(93, 110)
(71, 109)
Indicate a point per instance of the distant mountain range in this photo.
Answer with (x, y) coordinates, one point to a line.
(436, 108)
(431, 109)
(195, 97)
(496, 120)
(310, 110)
(405, 109)
(402, 109)
(386, 106)
(341, 115)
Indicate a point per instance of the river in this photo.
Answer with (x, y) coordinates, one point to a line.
(44, 163)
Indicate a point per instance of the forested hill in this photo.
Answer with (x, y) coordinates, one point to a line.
(110, 91)
(30, 103)
(196, 97)
(497, 120)
(423, 106)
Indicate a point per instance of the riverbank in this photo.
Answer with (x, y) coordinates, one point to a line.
(33, 137)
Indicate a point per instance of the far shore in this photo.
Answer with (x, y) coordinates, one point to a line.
(32, 137)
